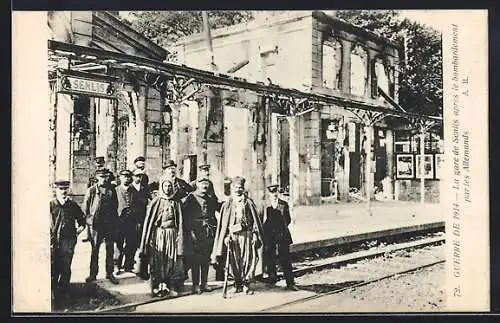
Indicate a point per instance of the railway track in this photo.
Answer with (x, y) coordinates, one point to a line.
(363, 283)
(366, 274)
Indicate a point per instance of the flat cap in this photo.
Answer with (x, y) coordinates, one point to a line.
(126, 172)
(140, 158)
(205, 167)
(99, 159)
(238, 180)
(61, 183)
(169, 164)
(272, 188)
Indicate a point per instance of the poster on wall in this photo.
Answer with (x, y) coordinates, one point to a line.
(428, 166)
(404, 166)
(439, 164)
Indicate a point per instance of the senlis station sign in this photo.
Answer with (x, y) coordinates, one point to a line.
(93, 86)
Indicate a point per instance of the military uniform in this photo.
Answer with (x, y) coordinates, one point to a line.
(200, 225)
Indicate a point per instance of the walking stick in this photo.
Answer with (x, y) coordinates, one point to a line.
(226, 269)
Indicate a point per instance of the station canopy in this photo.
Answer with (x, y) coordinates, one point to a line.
(66, 56)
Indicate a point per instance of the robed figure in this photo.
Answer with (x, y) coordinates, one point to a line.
(240, 229)
(162, 242)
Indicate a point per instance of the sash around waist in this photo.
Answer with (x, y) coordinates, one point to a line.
(167, 224)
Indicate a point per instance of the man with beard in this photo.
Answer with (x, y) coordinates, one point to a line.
(162, 242)
(99, 163)
(181, 190)
(101, 209)
(181, 187)
(200, 225)
(204, 172)
(65, 215)
(240, 229)
(126, 223)
(140, 165)
(276, 218)
(139, 205)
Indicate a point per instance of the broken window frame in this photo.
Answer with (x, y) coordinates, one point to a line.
(361, 52)
(335, 72)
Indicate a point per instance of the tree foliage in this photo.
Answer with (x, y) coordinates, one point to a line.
(420, 80)
(167, 27)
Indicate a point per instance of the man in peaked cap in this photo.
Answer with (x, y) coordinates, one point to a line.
(101, 209)
(140, 198)
(181, 187)
(200, 224)
(99, 162)
(204, 173)
(276, 218)
(140, 164)
(124, 195)
(66, 215)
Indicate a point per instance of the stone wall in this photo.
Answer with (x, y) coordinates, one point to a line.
(271, 49)
(409, 190)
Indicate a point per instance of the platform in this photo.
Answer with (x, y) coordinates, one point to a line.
(311, 227)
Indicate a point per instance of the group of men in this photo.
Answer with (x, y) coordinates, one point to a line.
(173, 232)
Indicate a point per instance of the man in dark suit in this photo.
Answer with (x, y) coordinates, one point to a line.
(140, 166)
(276, 218)
(99, 163)
(66, 215)
(126, 223)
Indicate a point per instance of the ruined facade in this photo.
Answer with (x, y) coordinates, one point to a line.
(322, 152)
(119, 126)
(314, 154)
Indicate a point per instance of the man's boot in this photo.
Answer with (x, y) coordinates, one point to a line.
(90, 278)
(112, 279)
(247, 289)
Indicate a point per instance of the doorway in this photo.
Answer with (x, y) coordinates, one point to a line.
(284, 149)
(235, 140)
(327, 159)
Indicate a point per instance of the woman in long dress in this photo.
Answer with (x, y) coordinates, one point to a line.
(162, 241)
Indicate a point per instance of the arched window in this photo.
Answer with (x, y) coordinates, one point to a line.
(359, 70)
(332, 64)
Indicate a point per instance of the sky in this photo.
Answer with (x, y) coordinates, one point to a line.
(432, 18)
